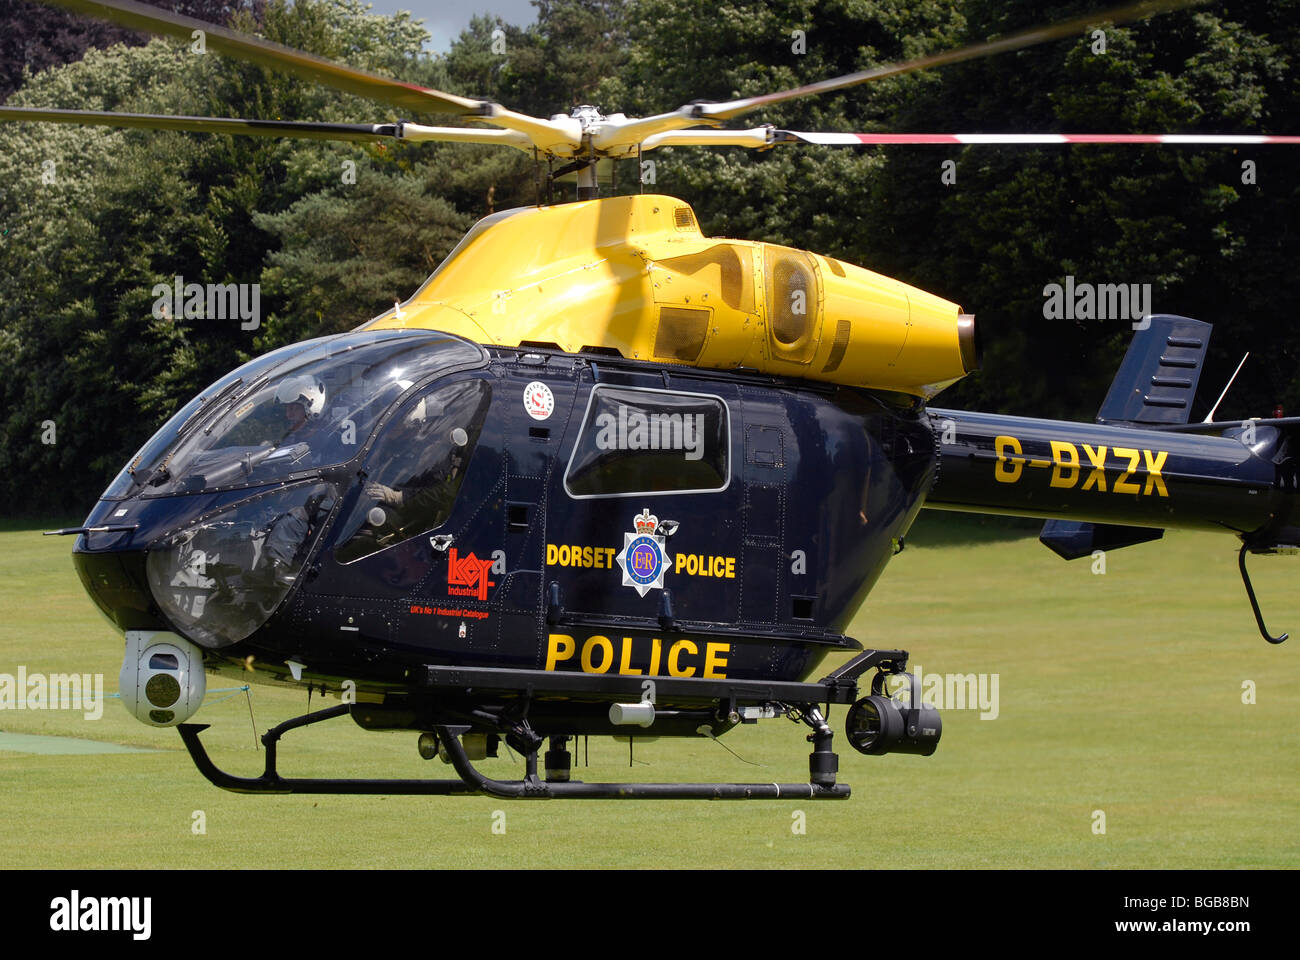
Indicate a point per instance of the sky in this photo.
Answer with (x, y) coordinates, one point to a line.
(445, 20)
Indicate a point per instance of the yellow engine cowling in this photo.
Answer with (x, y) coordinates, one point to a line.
(635, 275)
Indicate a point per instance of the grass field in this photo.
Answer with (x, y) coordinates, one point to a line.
(1119, 692)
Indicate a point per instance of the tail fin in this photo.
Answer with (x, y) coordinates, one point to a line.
(1157, 381)
(1155, 386)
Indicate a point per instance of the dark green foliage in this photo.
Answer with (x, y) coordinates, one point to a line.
(35, 37)
(97, 218)
(350, 252)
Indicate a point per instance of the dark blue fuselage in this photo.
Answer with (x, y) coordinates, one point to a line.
(565, 513)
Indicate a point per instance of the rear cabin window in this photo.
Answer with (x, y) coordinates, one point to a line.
(637, 441)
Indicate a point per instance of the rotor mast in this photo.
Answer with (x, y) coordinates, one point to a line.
(591, 120)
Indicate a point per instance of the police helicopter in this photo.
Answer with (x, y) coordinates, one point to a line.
(602, 475)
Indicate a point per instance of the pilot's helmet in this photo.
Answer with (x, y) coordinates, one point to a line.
(303, 389)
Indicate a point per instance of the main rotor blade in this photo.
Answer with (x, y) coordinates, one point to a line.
(296, 129)
(1015, 41)
(860, 139)
(258, 128)
(306, 66)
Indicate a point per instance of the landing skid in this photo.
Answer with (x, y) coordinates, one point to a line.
(822, 761)
(823, 764)
(271, 782)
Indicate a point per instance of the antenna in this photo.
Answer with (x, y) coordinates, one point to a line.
(1209, 417)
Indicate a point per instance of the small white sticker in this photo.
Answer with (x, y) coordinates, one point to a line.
(538, 400)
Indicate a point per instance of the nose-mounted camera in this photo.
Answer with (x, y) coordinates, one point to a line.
(162, 680)
(901, 723)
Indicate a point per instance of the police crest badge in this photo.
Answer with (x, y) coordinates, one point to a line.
(643, 558)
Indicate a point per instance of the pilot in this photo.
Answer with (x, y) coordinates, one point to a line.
(426, 495)
(304, 401)
(426, 488)
(290, 532)
(309, 438)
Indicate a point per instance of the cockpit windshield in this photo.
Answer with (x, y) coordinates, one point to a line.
(141, 467)
(315, 409)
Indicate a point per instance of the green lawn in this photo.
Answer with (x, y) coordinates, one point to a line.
(1119, 692)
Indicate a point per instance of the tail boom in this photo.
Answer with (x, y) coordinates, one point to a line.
(1241, 479)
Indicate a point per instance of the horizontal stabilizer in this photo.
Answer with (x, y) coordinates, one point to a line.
(1072, 540)
(1156, 383)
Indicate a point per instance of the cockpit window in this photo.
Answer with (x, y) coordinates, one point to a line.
(140, 467)
(415, 469)
(315, 410)
(220, 578)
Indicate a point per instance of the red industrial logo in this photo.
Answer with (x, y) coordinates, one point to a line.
(467, 576)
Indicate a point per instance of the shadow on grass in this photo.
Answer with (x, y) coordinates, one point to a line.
(946, 528)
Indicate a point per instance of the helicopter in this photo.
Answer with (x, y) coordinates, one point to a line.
(636, 485)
